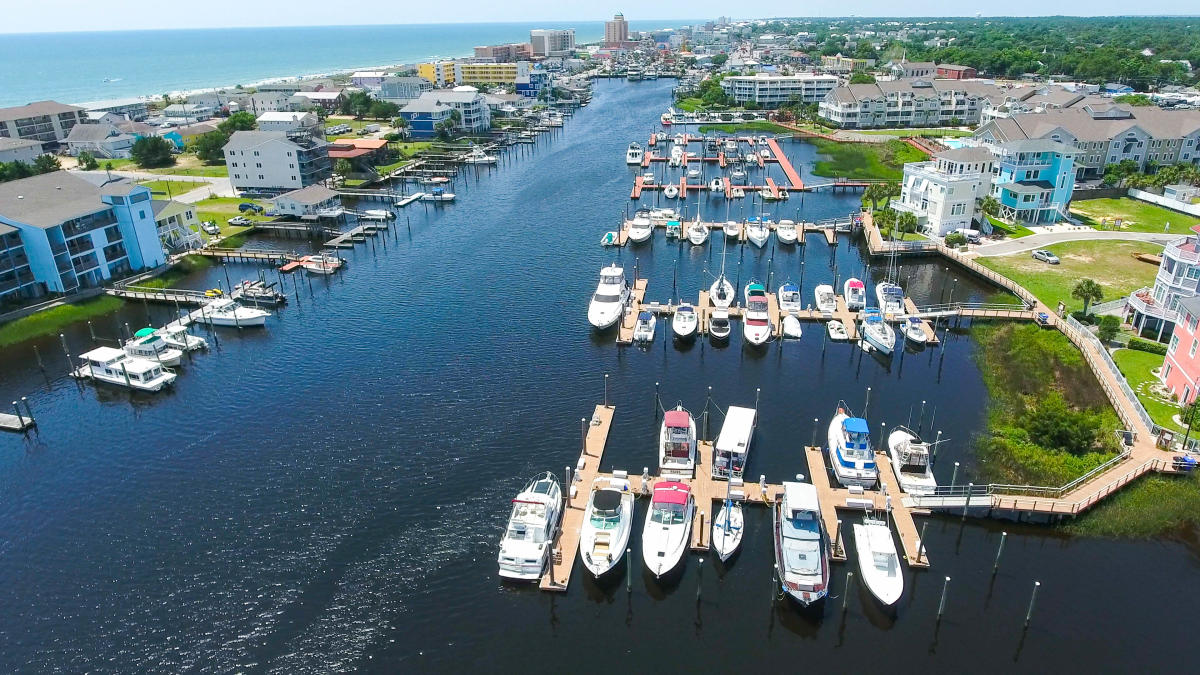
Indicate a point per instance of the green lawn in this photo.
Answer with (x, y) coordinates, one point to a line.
(934, 133)
(733, 128)
(186, 164)
(1014, 231)
(221, 209)
(1136, 366)
(1109, 263)
(355, 125)
(1153, 506)
(1136, 216)
(691, 104)
(53, 320)
(864, 160)
(166, 189)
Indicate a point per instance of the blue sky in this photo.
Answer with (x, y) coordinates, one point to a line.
(76, 15)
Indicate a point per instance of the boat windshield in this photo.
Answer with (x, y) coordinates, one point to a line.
(606, 297)
(757, 304)
(606, 509)
(667, 514)
(612, 279)
(720, 324)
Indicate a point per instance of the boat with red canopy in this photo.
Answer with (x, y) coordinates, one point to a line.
(677, 442)
(668, 528)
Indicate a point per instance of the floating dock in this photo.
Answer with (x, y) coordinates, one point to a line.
(19, 424)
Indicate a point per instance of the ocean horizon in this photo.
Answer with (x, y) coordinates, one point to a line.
(81, 67)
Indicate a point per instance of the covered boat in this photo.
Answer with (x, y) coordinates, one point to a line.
(789, 297)
(856, 294)
(801, 544)
(890, 297)
(914, 331)
(677, 442)
(667, 532)
(850, 451)
(826, 300)
(607, 522)
(757, 324)
(733, 443)
(643, 330)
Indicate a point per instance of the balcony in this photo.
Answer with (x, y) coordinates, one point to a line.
(1143, 302)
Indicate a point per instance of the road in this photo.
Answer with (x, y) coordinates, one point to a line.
(206, 185)
(1010, 246)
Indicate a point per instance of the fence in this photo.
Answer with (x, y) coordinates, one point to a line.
(1174, 205)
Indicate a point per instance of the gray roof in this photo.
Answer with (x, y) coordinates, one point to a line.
(313, 194)
(194, 129)
(7, 143)
(49, 199)
(966, 154)
(1190, 304)
(424, 105)
(1024, 186)
(93, 133)
(5, 229)
(1079, 123)
(36, 109)
(241, 140)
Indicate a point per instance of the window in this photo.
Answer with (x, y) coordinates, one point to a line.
(1174, 344)
(958, 209)
(1191, 323)
(258, 165)
(1192, 351)
(141, 213)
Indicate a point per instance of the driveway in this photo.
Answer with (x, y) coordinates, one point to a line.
(207, 186)
(1010, 246)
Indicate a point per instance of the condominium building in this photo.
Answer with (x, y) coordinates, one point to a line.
(1180, 372)
(136, 109)
(305, 122)
(403, 89)
(909, 103)
(276, 161)
(44, 121)
(439, 73)
(188, 113)
(616, 32)
(424, 114)
(552, 42)
(944, 192)
(770, 91)
(845, 64)
(514, 51)
(488, 73)
(60, 233)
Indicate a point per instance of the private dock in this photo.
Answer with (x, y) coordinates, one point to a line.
(21, 421)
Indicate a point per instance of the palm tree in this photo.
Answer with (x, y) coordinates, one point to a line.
(990, 205)
(1087, 291)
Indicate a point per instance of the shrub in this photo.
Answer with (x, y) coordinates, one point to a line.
(956, 239)
(1109, 327)
(1147, 346)
(1085, 319)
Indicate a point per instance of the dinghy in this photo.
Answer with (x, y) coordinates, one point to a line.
(837, 330)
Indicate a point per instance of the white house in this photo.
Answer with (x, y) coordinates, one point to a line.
(290, 121)
(314, 201)
(187, 113)
(943, 193)
(276, 161)
(269, 101)
(19, 150)
(102, 140)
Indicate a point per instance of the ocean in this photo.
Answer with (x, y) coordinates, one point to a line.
(80, 67)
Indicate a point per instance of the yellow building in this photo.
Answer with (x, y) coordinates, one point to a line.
(449, 73)
(441, 73)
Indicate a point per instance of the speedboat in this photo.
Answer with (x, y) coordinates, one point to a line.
(837, 330)
(914, 331)
(737, 193)
(738, 175)
(525, 547)
(697, 232)
(911, 461)
(152, 348)
(633, 155)
(731, 145)
(878, 561)
(791, 327)
(721, 292)
(321, 263)
(667, 533)
(609, 300)
(677, 442)
(607, 522)
(438, 194)
(781, 194)
(727, 530)
(659, 214)
(733, 229)
(850, 451)
(478, 156)
(716, 185)
(671, 191)
(718, 324)
(227, 312)
(890, 297)
(640, 228)
(376, 214)
(610, 239)
(786, 232)
(826, 300)
(648, 178)
(789, 297)
(876, 332)
(757, 232)
(693, 173)
(766, 194)
(801, 544)
(643, 330)
(855, 293)
(114, 366)
(178, 337)
(764, 153)
(685, 322)
(757, 324)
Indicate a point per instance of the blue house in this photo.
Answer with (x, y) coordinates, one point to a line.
(1116, 89)
(1033, 179)
(423, 116)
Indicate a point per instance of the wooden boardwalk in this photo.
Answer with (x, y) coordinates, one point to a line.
(629, 320)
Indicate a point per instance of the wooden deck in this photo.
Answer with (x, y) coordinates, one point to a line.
(625, 331)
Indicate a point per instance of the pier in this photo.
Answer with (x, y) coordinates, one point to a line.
(21, 421)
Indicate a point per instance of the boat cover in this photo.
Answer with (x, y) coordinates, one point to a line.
(855, 283)
(144, 332)
(678, 419)
(790, 287)
(606, 500)
(855, 425)
(671, 492)
(684, 309)
(644, 316)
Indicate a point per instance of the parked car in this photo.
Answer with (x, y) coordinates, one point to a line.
(1045, 256)
(239, 220)
(210, 227)
(247, 206)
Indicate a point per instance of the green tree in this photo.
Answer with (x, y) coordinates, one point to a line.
(862, 78)
(238, 121)
(1137, 100)
(876, 192)
(1087, 291)
(720, 59)
(343, 167)
(46, 164)
(88, 161)
(210, 147)
(152, 151)
(906, 222)
(990, 205)
(1109, 327)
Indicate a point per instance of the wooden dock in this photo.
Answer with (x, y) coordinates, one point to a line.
(19, 424)
(629, 320)
(247, 255)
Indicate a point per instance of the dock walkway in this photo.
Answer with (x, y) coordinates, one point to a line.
(10, 422)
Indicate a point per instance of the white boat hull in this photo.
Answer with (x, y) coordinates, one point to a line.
(847, 476)
(791, 327)
(837, 330)
(878, 337)
(727, 531)
(684, 328)
(697, 234)
(663, 546)
(720, 294)
(600, 563)
(826, 301)
(604, 315)
(640, 234)
(881, 573)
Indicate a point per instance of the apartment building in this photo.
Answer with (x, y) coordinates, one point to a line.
(305, 122)
(845, 64)
(60, 233)
(188, 113)
(136, 109)
(944, 192)
(514, 51)
(1180, 372)
(616, 32)
(909, 103)
(547, 42)
(770, 91)
(439, 73)
(403, 89)
(276, 161)
(44, 121)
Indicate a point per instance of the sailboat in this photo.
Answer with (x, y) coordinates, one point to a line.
(727, 527)
(878, 561)
(697, 232)
(721, 293)
(890, 297)
(876, 331)
(758, 231)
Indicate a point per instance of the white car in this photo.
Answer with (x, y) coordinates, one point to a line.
(1045, 256)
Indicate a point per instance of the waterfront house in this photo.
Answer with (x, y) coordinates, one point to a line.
(305, 122)
(401, 90)
(47, 122)
(73, 233)
(423, 116)
(1180, 371)
(1033, 180)
(1154, 310)
(19, 150)
(432, 107)
(276, 161)
(178, 227)
(944, 192)
(103, 140)
(309, 203)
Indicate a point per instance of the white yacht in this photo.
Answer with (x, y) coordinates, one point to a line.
(667, 533)
(801, 544)
(727, 529)
(730, 145)
(643, 330)
(732, 229)
(826, 300)
(878, 560)
(677, 442)
(478, 156)
(226, 312)
(733, 443)
(786, 232)
(911, 461)
(890, 297)
(114, 366)
(178, 337)
(611, 296)
(716, 185)
(757, 324)
(685, 322)
(758, 231)
(876, 332)
(850, 451)
(790, 299)
(663, 214)
(633, 155)
(525, 548)
(914, 331)
(718, 324)
(640, 228)
(607, 522)
(697, 232)
(855, 293)
(153, 348)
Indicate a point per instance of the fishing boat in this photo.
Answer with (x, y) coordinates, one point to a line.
(661, 214)
(478, 156)
(633, 155)
(152, 348)
(718, 324)
(789, 297)
(733, 443)
(178, 337)
(855, 293)
(671, 191)
(667, 533)
(716, 185)
(786, 232)
(826, 300)
(876, 332)
(757, 324)
(850, 451)
(677, 442)
(679, 140)
(837, 330)
(732, 229)
(114, 366)
(438, 194)
(640, 228)
(607, 522)
(609, 300)
(737, 193)
(801, 544)
(685, 322)
(643, 330)
(758, 231)
(321, 263)
(890, 297)
(697, 232)
(228, 312)
(648, 178)
(791, 327)
(878, 560)
(376, 214)
(914, 331)
(912, 462)
(764, 153)
(525, 547)
(727, 529)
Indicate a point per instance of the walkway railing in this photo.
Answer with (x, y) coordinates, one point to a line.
(962, 491)
(1080, 332)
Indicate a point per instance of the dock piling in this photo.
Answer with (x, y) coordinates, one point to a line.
(67, 352)
(936, 443)
(20, 417)
(629, 570)
(816, 424)
(1032, 599)
(38, 355)
(921, 418)
(867, 405)
(700, 576)
(882, 428)
(846, 590)
(921, 546)
(954, 476)
(999, 550)
(606, 390)
(967, 501)
(942, 603)
(91, 330)
(28, 410)
(837, 538)
(583, 435)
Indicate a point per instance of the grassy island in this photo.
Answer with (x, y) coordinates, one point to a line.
(864, 160)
